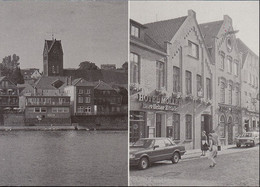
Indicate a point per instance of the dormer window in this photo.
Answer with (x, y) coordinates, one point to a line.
(135, 31)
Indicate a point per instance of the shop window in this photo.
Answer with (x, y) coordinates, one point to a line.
(176, 126)
(188, 120)
(176, 79)
(188, 82)
(151, 132)
(135, 68)
(222, 126)
(160, 75)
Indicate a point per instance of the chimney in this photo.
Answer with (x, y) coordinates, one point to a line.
(227, 19)
(192, 13)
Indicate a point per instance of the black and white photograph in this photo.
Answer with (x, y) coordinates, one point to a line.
(64, 93)
(194, 93)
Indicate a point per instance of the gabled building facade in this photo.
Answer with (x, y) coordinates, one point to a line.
(221, 43)
(249, 87)
(81, 93)
(171, 88)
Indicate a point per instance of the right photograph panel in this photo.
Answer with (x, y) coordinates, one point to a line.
(194, 93)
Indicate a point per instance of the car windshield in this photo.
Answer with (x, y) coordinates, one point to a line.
(247, 135)
(143, 143)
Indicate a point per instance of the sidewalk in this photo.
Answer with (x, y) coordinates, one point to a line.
(196, 153)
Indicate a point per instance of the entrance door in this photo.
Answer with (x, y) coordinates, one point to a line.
(206, 123)
(230, 131)
(158, 125)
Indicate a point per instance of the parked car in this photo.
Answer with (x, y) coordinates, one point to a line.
(146, 151)
(248, 138)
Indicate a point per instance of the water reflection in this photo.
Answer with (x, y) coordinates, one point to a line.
(63, 158)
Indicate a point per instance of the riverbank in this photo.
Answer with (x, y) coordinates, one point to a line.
(60, 128)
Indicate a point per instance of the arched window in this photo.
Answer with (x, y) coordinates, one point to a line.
(222, 126)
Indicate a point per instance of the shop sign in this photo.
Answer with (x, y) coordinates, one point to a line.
(159, 107)
(157, 100)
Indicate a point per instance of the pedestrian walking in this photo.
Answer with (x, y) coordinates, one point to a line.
(204, 143)
(212, 150)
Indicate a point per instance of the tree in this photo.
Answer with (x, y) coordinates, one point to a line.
(9, 64)
(17, 76)
(125, 66)
(124, 93)
(87, 65)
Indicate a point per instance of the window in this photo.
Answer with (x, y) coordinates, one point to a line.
(222, 126)
(237, 96)
(135, 31)
(176, 126)
(236, 68)
(188, 127)
(44, 110)
(87, 91)
(208, 88)
(37, 110)
(160, 143)
(193, 50)
(135, 68)
(159, 75)
(80, 91)
(88, 109)
(87, 100)
(222, 92)
(229, 63)
(188, 82)
(80, 109)
(54, 110)
(229, 94)
(222, 61)
(66, 110)
(199, 86)
(80, 99)
(53, 69)
(176, 79)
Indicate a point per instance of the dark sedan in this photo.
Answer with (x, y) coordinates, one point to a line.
(148, 150)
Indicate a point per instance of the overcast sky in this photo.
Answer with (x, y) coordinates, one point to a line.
(94, 30)
(245, 15)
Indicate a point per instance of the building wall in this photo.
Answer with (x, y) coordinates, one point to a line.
(250, 91)
(229, 111)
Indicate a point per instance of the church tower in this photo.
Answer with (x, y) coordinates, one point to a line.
(52, 58)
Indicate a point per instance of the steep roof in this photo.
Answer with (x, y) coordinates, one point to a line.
(209, 31)
(46, 82)
(28, 71)
(163, 31)
(82, 82)
(242, 47)
(50, 43)
(103, 86)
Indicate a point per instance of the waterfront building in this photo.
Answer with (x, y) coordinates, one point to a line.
(46, 110)
(221, 43)
(81, 93)
(249, 87)
(171, 81)
(9, 94)
(107, 100)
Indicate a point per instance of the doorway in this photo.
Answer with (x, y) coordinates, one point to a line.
(206, 123)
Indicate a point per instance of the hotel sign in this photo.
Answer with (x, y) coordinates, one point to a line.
(158, 103)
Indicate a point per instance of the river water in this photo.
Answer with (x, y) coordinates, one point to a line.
(63, 158)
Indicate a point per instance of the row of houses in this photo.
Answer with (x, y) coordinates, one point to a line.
(187, 77)
(57, 102)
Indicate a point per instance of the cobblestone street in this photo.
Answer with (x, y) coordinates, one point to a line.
(232, 169)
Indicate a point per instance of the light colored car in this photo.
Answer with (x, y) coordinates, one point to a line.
(248, 138)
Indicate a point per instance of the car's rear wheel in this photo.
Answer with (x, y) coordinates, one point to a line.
(144, 163)
(238, 145)
(175, 158)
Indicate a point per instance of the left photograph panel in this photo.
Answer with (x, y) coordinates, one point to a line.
(64, 93)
